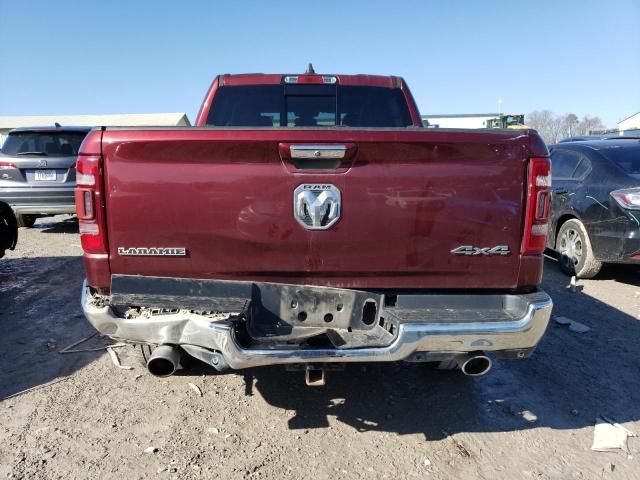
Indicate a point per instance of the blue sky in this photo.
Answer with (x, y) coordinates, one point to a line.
(74, 57)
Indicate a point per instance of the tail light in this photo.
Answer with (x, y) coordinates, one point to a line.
(90, 204)
(628, 198)
(7, 166)
(537, 210)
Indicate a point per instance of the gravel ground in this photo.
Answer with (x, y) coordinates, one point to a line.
(85, 418)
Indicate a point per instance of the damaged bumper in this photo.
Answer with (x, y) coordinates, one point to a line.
(412, 327)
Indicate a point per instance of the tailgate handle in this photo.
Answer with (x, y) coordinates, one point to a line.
(313, 156)
(332, 152)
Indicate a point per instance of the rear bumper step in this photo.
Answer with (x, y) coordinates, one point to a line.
(514, 332)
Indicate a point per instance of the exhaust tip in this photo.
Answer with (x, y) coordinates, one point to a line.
(164, 361)
(161, 367)
(476, 365)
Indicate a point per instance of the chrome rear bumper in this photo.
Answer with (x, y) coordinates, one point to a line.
(215, 342)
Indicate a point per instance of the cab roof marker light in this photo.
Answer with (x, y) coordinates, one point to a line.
(295, 79)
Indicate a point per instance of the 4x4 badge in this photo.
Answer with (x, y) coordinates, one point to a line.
(469, 250)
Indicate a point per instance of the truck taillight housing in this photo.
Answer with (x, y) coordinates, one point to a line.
(537, 209)
(90, 204)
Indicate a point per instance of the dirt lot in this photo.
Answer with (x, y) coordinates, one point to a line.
(526, 419)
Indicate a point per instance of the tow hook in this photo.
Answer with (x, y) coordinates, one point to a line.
(314, 376)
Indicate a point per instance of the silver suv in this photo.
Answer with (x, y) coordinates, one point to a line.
(37, 171)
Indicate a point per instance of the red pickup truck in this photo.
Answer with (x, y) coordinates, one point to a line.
(311, 219)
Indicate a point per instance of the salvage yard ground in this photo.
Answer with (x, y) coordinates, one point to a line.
(84, 418)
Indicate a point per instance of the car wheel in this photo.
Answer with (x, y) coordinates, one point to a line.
(575, 252)
(26, 220)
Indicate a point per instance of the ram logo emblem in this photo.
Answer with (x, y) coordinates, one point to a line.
(316, 206)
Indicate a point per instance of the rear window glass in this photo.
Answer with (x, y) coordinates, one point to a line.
(627, 158)
(373, 107)
(51, 144)
(583, 167)
(309, 106)
(310, 111)
(563, 163)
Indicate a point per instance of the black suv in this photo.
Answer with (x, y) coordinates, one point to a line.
(595, 204)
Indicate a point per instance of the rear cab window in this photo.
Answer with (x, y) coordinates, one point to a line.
(52, 144)
(309, 106)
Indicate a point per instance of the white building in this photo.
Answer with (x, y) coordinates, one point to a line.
(119, 120)
(459, 120)
(630, 123)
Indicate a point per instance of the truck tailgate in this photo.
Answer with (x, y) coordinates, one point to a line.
(408, 197)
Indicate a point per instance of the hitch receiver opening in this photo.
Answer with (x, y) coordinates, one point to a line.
(314, 376)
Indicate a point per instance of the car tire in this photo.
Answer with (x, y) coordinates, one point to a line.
(8, 229)
(574, 250)
(26, 220)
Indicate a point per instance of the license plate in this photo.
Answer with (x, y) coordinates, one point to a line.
(45, 175)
